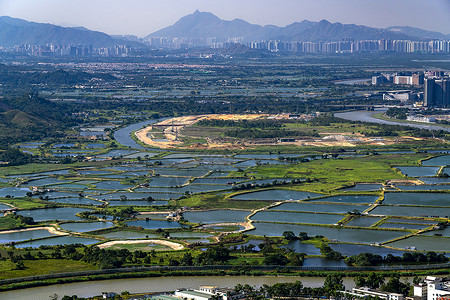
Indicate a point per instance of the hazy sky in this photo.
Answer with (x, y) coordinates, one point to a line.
(141, 17)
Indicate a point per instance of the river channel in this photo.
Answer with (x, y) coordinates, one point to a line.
(123, 136)
(157, 284)
(366, 116)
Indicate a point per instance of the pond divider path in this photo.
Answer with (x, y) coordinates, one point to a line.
(50, 229)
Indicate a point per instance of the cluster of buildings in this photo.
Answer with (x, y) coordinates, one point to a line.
(403, 78)
(203, 293)
(354, 46)
(347, 45)
(52, 50)
(436, 87)
(432, 288)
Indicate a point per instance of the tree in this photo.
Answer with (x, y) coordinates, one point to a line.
(333, 283)
(374, 280)
(187, 259)
(360, 281)
(394, 285)
(277, 259)
(289, 235)
(19, 265)
(303, 236)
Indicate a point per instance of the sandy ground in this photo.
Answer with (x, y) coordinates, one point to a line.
(406, 181)
(49, 229)
(246, 225)
(174, 246)
(172, 129)
(175, 125)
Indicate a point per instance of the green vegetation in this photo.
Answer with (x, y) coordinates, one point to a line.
(397, 113)
(42, 267)
(14, 221)
(24, 203)
(337, 171)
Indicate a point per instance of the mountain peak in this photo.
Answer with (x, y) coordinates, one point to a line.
(204, 25)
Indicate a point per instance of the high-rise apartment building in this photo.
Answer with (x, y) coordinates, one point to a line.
(437, 92)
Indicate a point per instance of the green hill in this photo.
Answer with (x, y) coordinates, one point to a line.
(30, 117)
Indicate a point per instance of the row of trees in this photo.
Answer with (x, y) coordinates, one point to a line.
(370, 259)
(332, 285)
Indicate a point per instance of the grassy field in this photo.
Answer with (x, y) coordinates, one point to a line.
(9, 223)
(23, 203)
(206, 201)
(332, 173)
(42, 267)
(37, 168)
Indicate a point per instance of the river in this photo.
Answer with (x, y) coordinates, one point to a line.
(354, 81)
(366, 116)
(123, 136)
(156, 284)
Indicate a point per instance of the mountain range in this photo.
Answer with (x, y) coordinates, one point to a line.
(17, 31)
(204, 25)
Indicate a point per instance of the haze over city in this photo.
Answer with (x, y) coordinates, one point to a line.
(141, 17)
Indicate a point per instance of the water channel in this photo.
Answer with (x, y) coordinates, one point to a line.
(158, 284)
(366, 116)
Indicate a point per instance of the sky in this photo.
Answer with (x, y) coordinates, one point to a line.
(142, 17)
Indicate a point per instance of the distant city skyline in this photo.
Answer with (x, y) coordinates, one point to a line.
(142, 17)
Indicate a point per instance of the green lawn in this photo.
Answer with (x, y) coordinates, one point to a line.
(332, 173)
(34, 168)
(9, 223)
(42, 267)
(23, 203)
(205, 201)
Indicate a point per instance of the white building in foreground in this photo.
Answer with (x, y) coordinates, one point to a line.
(433, 288)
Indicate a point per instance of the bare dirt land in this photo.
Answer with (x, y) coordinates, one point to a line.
(180, 133)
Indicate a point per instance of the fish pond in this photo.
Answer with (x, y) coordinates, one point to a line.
(427, 199)
(129, 235)
(60, 240)
(296, 217)
(216, 216)
(154, 224)
(317, 207)
(363, 221)
(353, 249)
(340, 234)
(443, 160)
(423, 243)
(419, 171)
(300, 247)
(85, 227)
(350, 199)
(62, 213)
(411, 211)
(23, 235)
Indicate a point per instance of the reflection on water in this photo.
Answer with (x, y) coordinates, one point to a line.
(159, 284)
